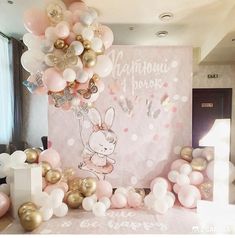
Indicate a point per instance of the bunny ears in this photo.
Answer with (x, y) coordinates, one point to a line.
(96, 119)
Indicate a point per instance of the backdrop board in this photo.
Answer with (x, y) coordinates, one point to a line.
(139, 122)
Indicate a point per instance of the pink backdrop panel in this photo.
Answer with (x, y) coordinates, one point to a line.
(150, 90)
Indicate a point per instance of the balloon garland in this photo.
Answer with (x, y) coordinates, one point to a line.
(65, 56)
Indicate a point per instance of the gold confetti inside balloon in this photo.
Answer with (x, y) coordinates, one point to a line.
(54, 13)
(53, 176)
(31, 220)
(31, 155)
(206, 190)
(101, 51)
(141, 192)
(26, 207)
(199, 164)
(88, 186)
(186, 153)
(74, 199)
(68, 174)
(89, 58)
(75, 183)
(96, 78)
(59, 44)
(45, 168)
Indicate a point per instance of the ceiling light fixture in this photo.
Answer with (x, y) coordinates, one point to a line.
(162, 34)
(166, 16)
(131, 28)
(10, 2)
(233, 39)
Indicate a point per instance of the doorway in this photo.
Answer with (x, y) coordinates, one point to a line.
(208, 105)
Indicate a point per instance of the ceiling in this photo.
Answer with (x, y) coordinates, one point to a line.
(207, 25)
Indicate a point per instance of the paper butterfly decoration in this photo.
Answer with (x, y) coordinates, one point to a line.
(61, 98)
(81, 110)
(150, 112)
(37, 82)
(69, 59)
(126, 105)
(166, 102)
(92, 88)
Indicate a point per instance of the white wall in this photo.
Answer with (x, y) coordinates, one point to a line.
(35, 107)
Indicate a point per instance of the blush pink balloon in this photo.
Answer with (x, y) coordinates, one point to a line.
(36, 21)
(75, 6)
(61, 185)
(70, 38)
(134, 200)
(176, 188)
(51, 156)
(196, 177)
(177, 163)
(103, 189)
(62, 30)
(210, 170)
(4, 204)
(53, 80)
(188, 196)
(44, 183)
(106, 36)
(169, 186)
(118, 200)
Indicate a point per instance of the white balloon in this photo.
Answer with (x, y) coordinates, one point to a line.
(99, 209)
(78, 28)
(5, 162)
(46, 213)
(47, 46)
(122, 190)
(78, 47)
(50, 34)
(170, 200)
(106, 201)
(160, 206)
(197, 152)
(96, 44)
(149, 200)
(86, 18)
(61, 211)
(159, 190)
(69, 75)
(103, 66)
(87, 34)
(185, 169)
(172, 176)
(82, 76)
(94, 197)
(208, 153)
(57, 193)
(32, 41)
(5, 188)
(93, 13)
(18, 157)
(183, 179)
(41, 199)
(88, 203)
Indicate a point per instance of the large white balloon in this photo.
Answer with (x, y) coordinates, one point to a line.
(103, 66)
(18, 157)
(99, 209)
(46, 213)
(5, 161)
(106, 201)
(61, 211)
(32, 41)
(159, 190)
(161, 206)
(5, 188)
(88, 203)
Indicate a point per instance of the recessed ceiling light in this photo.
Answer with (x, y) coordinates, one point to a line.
(162, 33)
(233, 39)
(10, 2)
(131, 28)
(166, 16)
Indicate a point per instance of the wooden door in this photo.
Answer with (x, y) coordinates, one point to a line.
(208, 105)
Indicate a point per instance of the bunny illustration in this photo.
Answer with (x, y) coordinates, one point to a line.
(102, 142)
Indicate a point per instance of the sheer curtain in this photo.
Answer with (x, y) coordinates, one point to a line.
(6, 93)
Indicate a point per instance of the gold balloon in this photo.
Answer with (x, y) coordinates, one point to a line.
(31, 155)
(75, 184)
(79, 38)
(31, 220)
(89, 58)
(199, 164)
(68, 174)
(141, 192)
(59, 44)
(101, 51)
(88, 186)
(206, 190)
(45, 168)
(96, 78)
(66, 46)
(74, 199)
(53, 176)
(87, 44)
(186, 153)
(26, 207)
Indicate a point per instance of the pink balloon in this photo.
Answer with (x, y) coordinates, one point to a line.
(188, 196)
(44, 183)
(36, 21)
(4, 204)
(176, 188)
(69, 2)
(196, 177)
(210, 170)
(103, 189)
(70, 38)
(177, 163)
(62, 30)
(169, 188)
(77, 6)
(53, 80)
(118, 200)
(62, 185)
(51, 156)
(134, 200)
(106, 36)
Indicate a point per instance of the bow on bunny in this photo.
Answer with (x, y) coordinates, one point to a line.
(103, 126)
